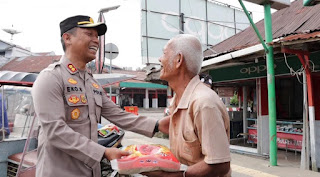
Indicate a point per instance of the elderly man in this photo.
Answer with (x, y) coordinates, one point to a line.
(69, 102)
(198, 126)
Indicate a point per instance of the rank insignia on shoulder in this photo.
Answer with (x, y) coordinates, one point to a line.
(72, 81)
(95, 85)
(73, 99)
(72, 68)
(75, 114)
(83, 98)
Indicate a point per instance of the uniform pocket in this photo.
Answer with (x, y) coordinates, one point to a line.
(76, 107)
(98, 105)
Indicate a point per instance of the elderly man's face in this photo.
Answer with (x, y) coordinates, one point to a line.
(166, 61)
(85, 43)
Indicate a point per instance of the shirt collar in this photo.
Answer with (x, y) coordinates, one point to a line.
(186, 96)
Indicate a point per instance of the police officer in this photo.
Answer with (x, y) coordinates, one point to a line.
(69, 102)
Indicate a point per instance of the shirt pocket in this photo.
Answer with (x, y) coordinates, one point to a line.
(98, 106)
(190, 147)
(76, 108)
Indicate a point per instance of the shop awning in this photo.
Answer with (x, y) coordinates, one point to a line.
(17, 78)
(108, 79)
(23, 78)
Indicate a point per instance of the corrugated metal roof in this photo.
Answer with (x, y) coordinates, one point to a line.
(292, 20)
(296, 37)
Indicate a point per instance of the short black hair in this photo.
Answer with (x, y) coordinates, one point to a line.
(71, 31)
(206, 78)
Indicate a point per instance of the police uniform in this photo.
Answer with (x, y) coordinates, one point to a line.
(69, 103)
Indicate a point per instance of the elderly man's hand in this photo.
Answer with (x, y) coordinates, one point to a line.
(114, 153)
(162, 174)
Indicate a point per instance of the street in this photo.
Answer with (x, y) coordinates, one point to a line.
(242, 165)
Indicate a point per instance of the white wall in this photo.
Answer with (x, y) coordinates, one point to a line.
(317, 128)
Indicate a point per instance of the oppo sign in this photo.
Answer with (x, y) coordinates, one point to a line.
(255, 69)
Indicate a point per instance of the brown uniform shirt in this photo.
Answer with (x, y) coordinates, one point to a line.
(199, 126)
(69, 104)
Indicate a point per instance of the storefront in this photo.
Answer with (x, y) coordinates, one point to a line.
(249, 82)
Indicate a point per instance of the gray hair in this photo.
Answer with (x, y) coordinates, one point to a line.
(71, 31)
(191, 49)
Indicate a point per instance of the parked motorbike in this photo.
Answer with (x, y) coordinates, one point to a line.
(109, 136)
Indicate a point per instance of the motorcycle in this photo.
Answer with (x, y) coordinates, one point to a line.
(109, 136)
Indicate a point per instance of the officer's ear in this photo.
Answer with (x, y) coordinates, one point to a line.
(66, 38)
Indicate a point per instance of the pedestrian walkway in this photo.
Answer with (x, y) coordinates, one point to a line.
(246, 166)
(242, 165)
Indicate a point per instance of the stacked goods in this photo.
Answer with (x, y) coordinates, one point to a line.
(146, 158)
(108, 130)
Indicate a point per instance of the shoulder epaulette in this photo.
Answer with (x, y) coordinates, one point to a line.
(51, 66)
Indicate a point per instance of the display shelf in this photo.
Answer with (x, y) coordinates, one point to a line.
(285, 139)
(296, 133)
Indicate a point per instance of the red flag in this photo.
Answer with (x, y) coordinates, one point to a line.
(100, 52)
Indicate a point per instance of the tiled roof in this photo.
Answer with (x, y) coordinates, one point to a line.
(141, 75)
(33, 64)
(295, 19)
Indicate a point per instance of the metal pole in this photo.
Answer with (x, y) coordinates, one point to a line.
(245, 110)
(305, 153)
(254, 26)
(271, 86)
(307, 2)
(311, 116)
(110, 88)
(2, 113)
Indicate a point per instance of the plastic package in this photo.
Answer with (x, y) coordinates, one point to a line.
(108, 130)
(146, 158)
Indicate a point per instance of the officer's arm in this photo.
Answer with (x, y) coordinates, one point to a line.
(126, 120)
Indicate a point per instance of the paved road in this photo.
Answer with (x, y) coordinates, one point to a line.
(242, 165)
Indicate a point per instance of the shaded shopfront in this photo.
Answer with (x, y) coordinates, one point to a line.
(240, 62)
(143, 94)
(250, 84)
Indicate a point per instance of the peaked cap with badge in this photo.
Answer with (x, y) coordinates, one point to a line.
(82, 21)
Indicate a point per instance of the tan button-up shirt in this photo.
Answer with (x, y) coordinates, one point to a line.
(69, 104)
(199, 126)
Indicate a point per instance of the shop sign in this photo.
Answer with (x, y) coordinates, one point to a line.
(256, 70)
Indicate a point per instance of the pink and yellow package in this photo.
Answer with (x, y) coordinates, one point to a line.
(146, 158)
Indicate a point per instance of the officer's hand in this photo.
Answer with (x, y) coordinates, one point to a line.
(114, 153)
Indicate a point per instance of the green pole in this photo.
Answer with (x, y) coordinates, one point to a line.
(253, 25)
(271, 87)
(307, 2)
